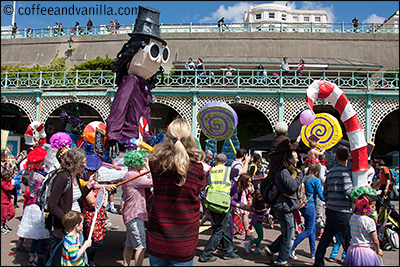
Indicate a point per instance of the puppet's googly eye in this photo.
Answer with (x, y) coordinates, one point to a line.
(155, 51)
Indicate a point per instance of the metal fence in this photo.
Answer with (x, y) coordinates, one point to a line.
(312, 27)
(241, 78)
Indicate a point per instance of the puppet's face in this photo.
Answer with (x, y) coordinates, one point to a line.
(146, 62)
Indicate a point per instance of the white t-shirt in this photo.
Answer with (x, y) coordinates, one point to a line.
(76, 194)
(370, 174)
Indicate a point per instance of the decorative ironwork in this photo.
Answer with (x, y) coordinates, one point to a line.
(368, 28)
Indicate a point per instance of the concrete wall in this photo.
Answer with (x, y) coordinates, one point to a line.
(382, 49)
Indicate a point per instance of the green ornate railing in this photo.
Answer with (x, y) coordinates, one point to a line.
(241, 79)
(210, 27)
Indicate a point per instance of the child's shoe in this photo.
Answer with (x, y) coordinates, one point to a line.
(257, 251)
(247, 246)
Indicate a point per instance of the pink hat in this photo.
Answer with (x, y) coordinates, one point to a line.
(60, 139)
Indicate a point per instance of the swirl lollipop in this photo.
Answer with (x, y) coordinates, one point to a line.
(90, 130)
(326, 127)
(217, 120)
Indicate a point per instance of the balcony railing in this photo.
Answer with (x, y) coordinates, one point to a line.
(241, 79)
(209, 27)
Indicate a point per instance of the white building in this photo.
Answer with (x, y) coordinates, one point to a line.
(276, 13)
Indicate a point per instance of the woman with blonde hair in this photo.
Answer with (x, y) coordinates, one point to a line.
(178, 178)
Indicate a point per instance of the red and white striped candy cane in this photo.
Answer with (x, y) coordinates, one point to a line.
(143, 127)
(354, 130)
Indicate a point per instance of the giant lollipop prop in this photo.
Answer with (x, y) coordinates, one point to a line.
(101, 195)
(218, 121)
(326, 127)
(355, 132)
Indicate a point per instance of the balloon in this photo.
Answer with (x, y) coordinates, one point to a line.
(307, 117)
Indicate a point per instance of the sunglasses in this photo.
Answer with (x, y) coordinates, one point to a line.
(155, 51)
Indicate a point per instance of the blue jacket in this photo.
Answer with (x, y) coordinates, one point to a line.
(313, 187)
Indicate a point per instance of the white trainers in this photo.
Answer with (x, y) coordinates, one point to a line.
(292, 255)
(247, 246)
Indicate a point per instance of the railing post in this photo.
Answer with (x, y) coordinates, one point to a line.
(190, 27)
(251, 26)
(114, 80)
(373, 27)
(6, 83)
(312, 27)
(280, 79)
(24, 33)
(16, 84)
(238, 79)
(368, 78)
(281, 26)
(323, 74)
(342, 27)
(76, 79)
(195, 78)
(161, 27)
(40, 79)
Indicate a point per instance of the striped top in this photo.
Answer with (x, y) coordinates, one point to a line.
(69, 254)
(360, 227)
(337, 188)
(258, 216)
(173, 228)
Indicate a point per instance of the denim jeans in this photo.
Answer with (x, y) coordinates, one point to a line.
(308, 213)
(220, 235)
(154, 261)
(284, 242)
(39, 248)
(336, 223)
(56, 245)
(336, 247)
(318, 215)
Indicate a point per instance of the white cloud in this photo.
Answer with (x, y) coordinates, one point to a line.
(374, 18)
(311, 5)
(233, 13)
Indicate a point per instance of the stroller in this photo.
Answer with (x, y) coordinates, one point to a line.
(388, 233)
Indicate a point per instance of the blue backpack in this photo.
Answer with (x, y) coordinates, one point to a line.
(394, 177)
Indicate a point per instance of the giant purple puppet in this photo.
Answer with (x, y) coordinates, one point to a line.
(139, 60)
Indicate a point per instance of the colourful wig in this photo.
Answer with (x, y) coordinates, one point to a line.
(135, 158)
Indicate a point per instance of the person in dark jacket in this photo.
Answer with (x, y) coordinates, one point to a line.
(59, 203)
(287, 181)
(281, 147)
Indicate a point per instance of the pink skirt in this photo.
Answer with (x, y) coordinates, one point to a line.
(360, 256)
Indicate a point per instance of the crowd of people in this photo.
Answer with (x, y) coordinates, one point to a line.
(163, 207)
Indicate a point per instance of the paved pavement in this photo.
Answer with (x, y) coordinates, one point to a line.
(110, 254)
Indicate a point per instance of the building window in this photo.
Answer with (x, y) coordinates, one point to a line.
(258, 16)
(283, 16)
(306, 19)
(295, 18)
(271, 15)
(317, 19)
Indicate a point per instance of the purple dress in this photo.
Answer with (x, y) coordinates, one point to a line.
(131, 101)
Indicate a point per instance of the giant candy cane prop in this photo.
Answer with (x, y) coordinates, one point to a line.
(38, 126)
(354, 130)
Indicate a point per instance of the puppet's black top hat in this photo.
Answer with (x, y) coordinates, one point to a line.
(147, 23)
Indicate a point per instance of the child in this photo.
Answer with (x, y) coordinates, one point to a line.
(363, 234)
(314, 153)
(27, 201)
(72, 253)
(259, 209)
(32, 224)
(7, 208)
(134, 212)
